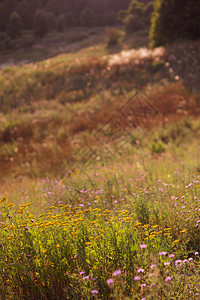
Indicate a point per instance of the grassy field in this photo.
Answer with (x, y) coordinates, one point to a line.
(100, 173)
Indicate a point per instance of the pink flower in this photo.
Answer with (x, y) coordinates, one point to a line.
(196, 253)
(117, 272)
(171, 255)
(81, 273)
(166, 263)
(153, 266)
(143, 246)
(94, 292)
(168, 279)
(140, 270)
(162, 253)
(110, 281)
(137, 278)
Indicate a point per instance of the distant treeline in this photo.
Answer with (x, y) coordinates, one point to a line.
(59, 13)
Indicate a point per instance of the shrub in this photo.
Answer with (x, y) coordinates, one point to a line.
(113, 36)
(133, 23)
(168, 25)
(157, 147)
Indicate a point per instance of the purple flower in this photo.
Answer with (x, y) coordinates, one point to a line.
(196, 253)
(151, 274)
(94, 292)
(86, 277)
(178, 261)
(9, 216)
(153, 266)
(117, 272)
(143, 246)
(26, 228)
(143, 285)
(110, 281)
(168, 278)
(162, 253)
(166, 263)
(171, 255)
(81, 273)
(140, 270)
(137, 278)
(190, 259)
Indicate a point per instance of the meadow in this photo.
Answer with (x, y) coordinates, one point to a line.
(100, 174)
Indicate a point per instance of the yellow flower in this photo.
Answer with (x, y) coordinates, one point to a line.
(183, 231)
(88, 243)
(175, 242)
(166, 229)
(10, 237)
(44, 251)
(3, 199)
(137, 224)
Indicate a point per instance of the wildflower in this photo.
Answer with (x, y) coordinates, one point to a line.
(168, 278)
(153, 266)
(162, 253)
(110, 281)
(143, 246)
(178, 261)
(196, 253)
(171, 255)
(137, 278)
(140, 270)
(94, 292)
(81, 273)
(151, 274)
(190, 259)
(143, 285)
(117, 272)
(166, 263)
(86, 277)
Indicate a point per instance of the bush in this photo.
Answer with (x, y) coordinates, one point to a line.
(113, 36)
(133, 23)
(172, 20)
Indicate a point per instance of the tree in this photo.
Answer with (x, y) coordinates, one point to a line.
(40, 24)
(172, 20)
(14, 25)
(61, 23)
(88, 17)
(69, 19)
(133, 23)
(136, 8)
(51, 21)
